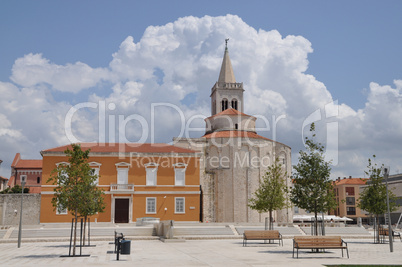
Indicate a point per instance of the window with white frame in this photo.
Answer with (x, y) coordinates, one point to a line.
(151, 205)
(122, 172)
(95, 167)
(179, 206)
(152, 169)
(63, 174)
(60, 210)
(296, 210)
(180, 174)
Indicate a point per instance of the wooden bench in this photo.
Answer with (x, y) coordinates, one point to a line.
(384, 233)
(319, 242)
(261, 235)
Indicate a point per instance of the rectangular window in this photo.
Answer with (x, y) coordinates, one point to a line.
(350, 191)
(95, 171)
(350, 201)
(296, 210)
(350, 210)
(151, 205)
(122, 175)
(180, 176)
(151, 176)
(60, 211)
(63, 176)
(179, 205)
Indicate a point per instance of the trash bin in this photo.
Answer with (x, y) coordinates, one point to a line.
(125, 247)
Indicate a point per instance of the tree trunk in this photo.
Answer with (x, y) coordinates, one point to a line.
(271, 223)
(85, 227)
(315, 223)
(378, 228)
(75, 232)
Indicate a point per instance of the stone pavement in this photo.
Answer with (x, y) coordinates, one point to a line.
(217, 252)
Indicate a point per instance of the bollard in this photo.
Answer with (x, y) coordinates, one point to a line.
(117, 238)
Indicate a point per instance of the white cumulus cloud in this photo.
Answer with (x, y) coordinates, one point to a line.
(33, 69)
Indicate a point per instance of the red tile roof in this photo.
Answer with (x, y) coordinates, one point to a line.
(11, 181)
(351, 181)
(29, 164)
(230, 112)
(238, 134)
(125, 148)
(233, 134)
(19, 163)
(16, 159)
(3, 178)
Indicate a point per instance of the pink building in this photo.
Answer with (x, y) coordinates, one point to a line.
(31, 168)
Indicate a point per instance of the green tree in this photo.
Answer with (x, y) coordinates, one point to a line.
(94, 200)
(75, 186)
(271, 195)
(17, 189)
(312, 188)
(373, 199)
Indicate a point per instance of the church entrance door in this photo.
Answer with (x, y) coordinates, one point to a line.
(121, 210)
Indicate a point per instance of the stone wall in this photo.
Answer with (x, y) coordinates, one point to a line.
(10, 206)
(227, 187)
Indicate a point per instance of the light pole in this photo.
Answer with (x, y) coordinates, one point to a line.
(23, 179)
(391, 245)
(0, 174)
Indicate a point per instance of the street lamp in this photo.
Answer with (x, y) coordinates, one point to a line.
(386, 173)
(0, 174)
(23, 179)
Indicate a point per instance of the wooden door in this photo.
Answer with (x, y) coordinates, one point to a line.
(121, 210)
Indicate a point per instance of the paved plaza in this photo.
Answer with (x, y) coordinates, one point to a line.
(197, 245)
(207, 252)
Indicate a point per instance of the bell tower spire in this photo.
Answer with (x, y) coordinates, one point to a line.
(226, 75)
(226, 93)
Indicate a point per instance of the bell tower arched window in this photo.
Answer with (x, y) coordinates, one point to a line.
(224, 104)
(234, 104)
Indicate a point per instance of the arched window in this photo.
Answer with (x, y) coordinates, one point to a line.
(234, 104)
(224, 104)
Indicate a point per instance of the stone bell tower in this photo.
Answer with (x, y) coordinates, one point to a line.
(226, 93)
(234, 157)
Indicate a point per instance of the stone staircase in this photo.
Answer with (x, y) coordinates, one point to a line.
(282, 230)
(95, 232)
(342, 231)
(202, 231)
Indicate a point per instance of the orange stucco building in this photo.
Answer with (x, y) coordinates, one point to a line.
(139, 180)
(347, 191)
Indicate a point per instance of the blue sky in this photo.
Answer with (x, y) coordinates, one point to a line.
(354, 43)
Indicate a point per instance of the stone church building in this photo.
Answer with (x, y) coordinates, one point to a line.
(234, 157)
